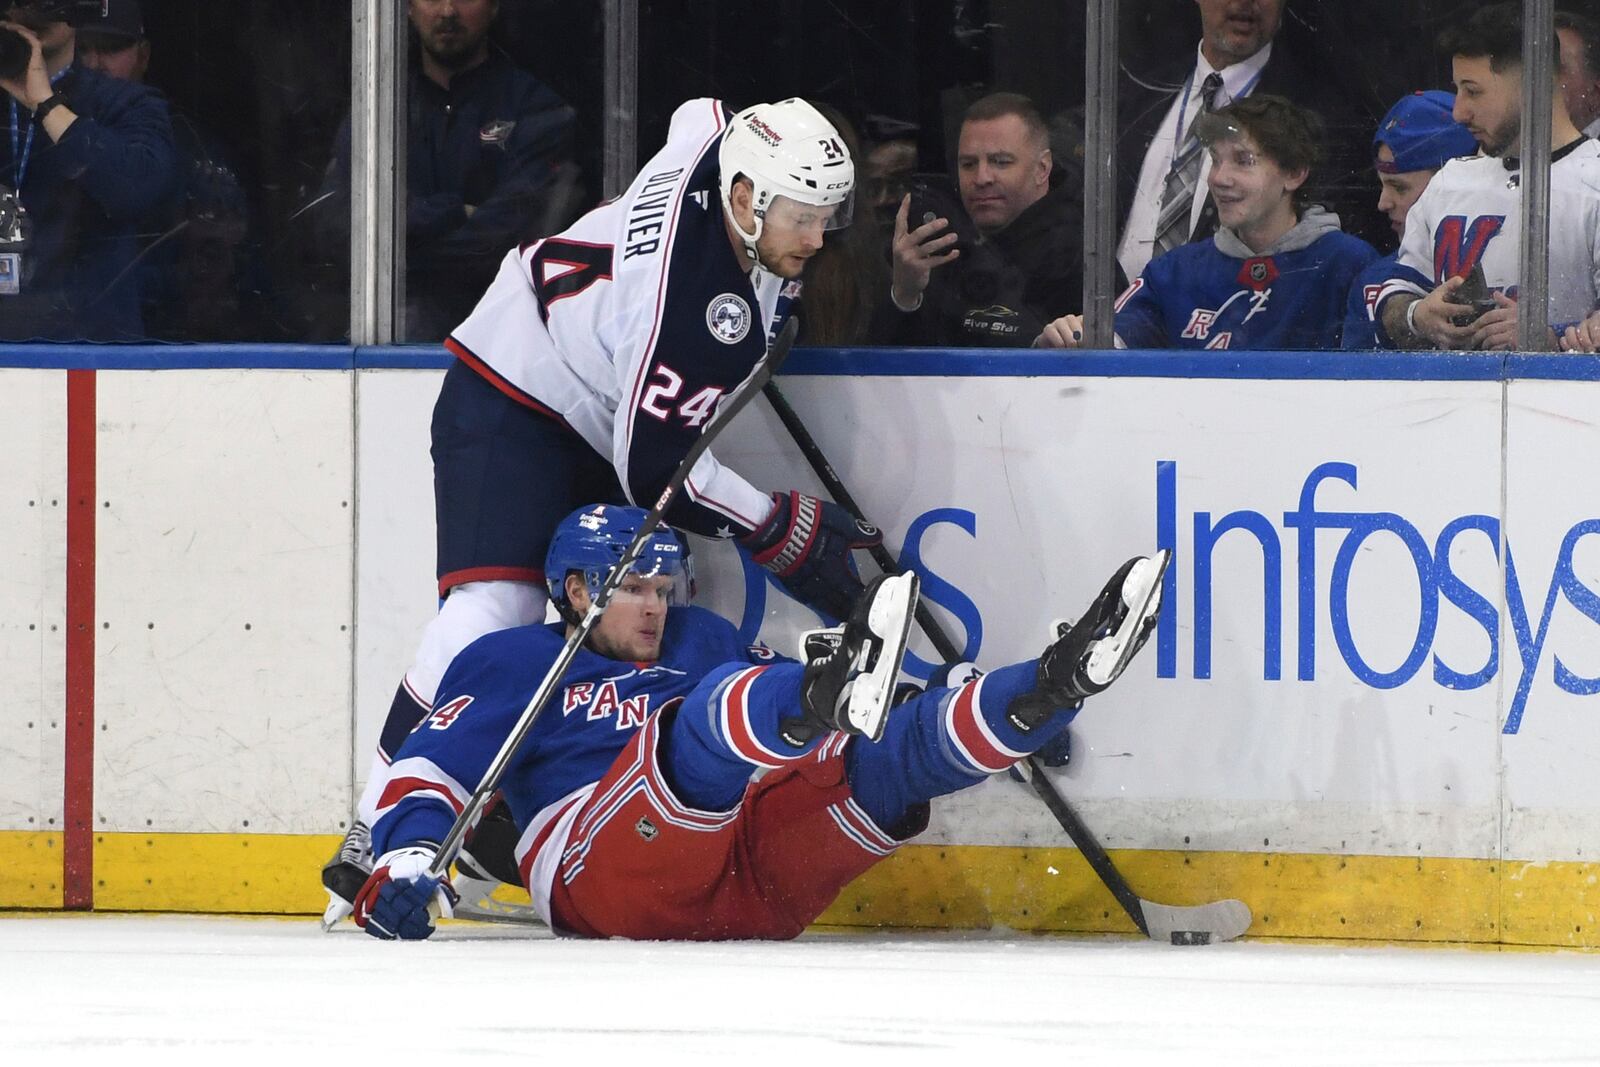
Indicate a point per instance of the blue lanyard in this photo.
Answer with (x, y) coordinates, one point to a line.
(1183, 109)
(19, 161)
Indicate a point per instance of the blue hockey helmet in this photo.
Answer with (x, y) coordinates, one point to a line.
(592, 539)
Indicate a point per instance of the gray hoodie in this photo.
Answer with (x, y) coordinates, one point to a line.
(1316, 222)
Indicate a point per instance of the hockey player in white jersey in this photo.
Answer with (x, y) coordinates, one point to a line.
(1467, 223)
(589, 368)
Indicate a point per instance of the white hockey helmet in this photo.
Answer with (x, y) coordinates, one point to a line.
(786, 150)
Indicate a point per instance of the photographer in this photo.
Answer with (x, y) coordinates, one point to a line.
(992, 270)
(86, 158)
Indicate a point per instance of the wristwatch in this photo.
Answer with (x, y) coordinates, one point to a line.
(47, 105)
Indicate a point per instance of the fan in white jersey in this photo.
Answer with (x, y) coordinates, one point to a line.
(589, 368)
(1470, 215)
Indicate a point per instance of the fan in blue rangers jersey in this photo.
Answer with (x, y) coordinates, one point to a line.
(1455, 283)
(632, 794)
(592, 364)
(1417, 137)
(1276, 273)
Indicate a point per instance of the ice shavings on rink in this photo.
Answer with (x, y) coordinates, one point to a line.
(120, 989)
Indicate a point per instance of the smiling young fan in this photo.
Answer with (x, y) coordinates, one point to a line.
(1276, 273)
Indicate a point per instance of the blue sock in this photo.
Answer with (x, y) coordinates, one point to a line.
(726, 728)
(943, 741)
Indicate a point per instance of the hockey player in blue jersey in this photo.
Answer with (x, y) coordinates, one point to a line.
(1276, 273)
(589, 368)
(632, 796)
(1417, 137)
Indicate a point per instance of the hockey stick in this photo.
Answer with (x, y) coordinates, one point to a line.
(1221, 920)
(731, 405)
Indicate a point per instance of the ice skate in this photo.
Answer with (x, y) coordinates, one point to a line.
(851, 669)
(1090, 654)
(345, 874)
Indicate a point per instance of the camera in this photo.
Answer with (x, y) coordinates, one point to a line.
(15, 51)
(13, 221)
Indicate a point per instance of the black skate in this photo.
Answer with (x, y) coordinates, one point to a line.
(1090, 654)
(851, 669)
(345, 874)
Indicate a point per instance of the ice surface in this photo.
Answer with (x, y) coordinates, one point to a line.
(176, 990)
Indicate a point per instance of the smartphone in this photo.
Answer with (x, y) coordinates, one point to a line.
(1474, 292)
(929, 202)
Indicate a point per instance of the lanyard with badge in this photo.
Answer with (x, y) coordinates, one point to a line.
(15, 226)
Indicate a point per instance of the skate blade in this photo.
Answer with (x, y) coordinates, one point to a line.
(338, 908)
(889, 619)
(1141, 598)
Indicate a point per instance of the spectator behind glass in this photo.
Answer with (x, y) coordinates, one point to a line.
(1238, 54)
(1470, 215)
(1275, 274)
(1580, 70)
(89, 157)
(1416, 138)
(489, 167)
(198, 277)
(843, 276)
(991, 270)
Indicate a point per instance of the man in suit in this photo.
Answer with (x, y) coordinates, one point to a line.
(1162, 194)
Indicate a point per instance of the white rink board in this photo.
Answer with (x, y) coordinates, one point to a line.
(397, 592)
(33, 538)
(1058, 479)
(1554, 759)
(224, 573)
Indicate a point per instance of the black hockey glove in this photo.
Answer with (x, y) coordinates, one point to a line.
(806, 542)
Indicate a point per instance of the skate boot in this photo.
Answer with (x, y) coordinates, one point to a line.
(1090, 654)
(487, 861)
(345, 874)
(851, 669)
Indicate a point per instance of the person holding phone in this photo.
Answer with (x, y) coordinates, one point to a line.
(1470, 215)
(990, 270)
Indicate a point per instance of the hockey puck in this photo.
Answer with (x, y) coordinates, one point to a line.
(1191, 937)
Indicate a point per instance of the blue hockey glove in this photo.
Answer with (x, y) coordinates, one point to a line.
(401, 900)
(806, 542)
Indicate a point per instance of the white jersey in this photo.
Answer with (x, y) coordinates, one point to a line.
(1470, 214)
(633, 323)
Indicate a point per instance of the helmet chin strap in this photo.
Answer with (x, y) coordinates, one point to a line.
(749, 239)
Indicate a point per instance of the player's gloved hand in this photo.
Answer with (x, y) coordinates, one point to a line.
(400, 899)
(806, 542)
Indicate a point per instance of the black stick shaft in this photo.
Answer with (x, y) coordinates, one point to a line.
(730, 406)
(1080, 834)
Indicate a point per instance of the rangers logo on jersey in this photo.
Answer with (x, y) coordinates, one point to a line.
(728, 318)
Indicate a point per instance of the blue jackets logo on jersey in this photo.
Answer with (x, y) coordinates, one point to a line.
(728, 318)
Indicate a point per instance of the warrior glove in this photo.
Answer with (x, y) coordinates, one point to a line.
(807, 542)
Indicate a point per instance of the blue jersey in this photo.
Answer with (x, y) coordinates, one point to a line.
(1198, 296)
(1361, 311)
(599, 706)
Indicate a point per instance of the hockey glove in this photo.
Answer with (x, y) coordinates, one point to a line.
(806, 542)
(401, 900)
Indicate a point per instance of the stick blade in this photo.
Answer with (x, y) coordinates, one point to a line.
(1201, 924)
